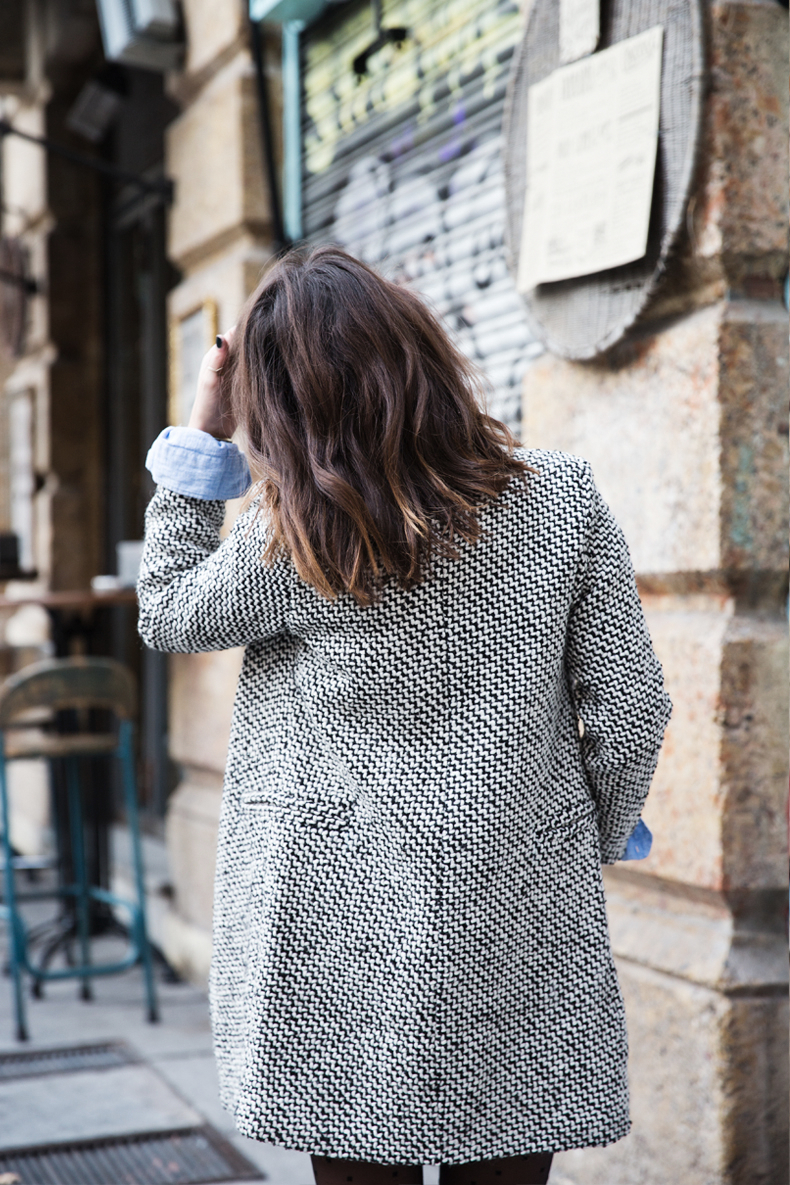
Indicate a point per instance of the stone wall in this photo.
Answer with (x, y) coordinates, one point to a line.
(686, 429)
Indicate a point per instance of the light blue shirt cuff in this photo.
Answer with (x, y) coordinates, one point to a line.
(640, 843)
(188, 461)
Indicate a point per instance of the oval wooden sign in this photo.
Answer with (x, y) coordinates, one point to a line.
(584, 316)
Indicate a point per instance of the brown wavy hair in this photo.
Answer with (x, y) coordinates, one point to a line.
(364, 424)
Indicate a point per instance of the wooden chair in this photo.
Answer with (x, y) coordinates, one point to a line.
(46, 688)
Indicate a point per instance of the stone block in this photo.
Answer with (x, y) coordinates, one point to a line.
(717, 803)
(676, 1133)
(734, 944)
(212, 28)
(735, 235)
(753, 1052)
(191, 835)
(225, 279)
(683, 805)
(202, 690)
(753, 710)
(752, 394)
(214, 157)
(740, 209)
(686, 430)
(705, 989)
(707, 1103)
(187, 948)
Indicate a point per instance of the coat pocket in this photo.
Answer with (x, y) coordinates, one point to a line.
(560, 829)
(326, 812)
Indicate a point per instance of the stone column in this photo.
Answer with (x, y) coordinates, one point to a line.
(219, 237)
(686, 429)
(51, 391)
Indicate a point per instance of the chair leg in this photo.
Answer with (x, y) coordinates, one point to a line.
(80, 871)
(130, 794)
(17, 936)
(16, 933)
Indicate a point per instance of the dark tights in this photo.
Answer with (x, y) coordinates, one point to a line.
(515, 1170)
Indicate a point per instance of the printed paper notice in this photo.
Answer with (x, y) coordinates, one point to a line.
(580, 28)
(592, 132)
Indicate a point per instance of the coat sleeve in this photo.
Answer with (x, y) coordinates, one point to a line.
(197, 592)
(616, 681)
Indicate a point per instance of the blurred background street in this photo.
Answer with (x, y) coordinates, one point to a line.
(117, 1075)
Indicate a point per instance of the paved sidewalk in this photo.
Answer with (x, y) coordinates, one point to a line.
(174, 1084)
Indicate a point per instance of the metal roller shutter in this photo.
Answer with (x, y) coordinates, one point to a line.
(404, 168)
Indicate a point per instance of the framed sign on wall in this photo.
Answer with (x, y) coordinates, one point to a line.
(576, 308)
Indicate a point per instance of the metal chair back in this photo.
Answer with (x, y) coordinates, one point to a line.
(55, 685)
(58, 683)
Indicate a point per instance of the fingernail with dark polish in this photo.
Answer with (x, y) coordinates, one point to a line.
(220, 341)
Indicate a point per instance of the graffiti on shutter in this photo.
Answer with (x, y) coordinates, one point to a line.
(403, 167)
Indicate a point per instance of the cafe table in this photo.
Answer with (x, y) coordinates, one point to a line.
(71, 612)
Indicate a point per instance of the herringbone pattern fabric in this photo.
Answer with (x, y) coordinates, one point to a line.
(411, 959)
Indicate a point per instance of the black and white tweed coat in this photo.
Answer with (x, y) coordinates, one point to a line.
(411, 956)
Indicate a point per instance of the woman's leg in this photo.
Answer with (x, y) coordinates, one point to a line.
(330, 1170)
(514, 1170)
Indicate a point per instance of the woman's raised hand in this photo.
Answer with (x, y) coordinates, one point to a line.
(211, 411)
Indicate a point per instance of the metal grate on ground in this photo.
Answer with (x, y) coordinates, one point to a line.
(64, 1060)
(187, 1156)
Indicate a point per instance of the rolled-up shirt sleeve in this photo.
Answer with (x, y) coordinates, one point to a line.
(196, 464)
(639, 843)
